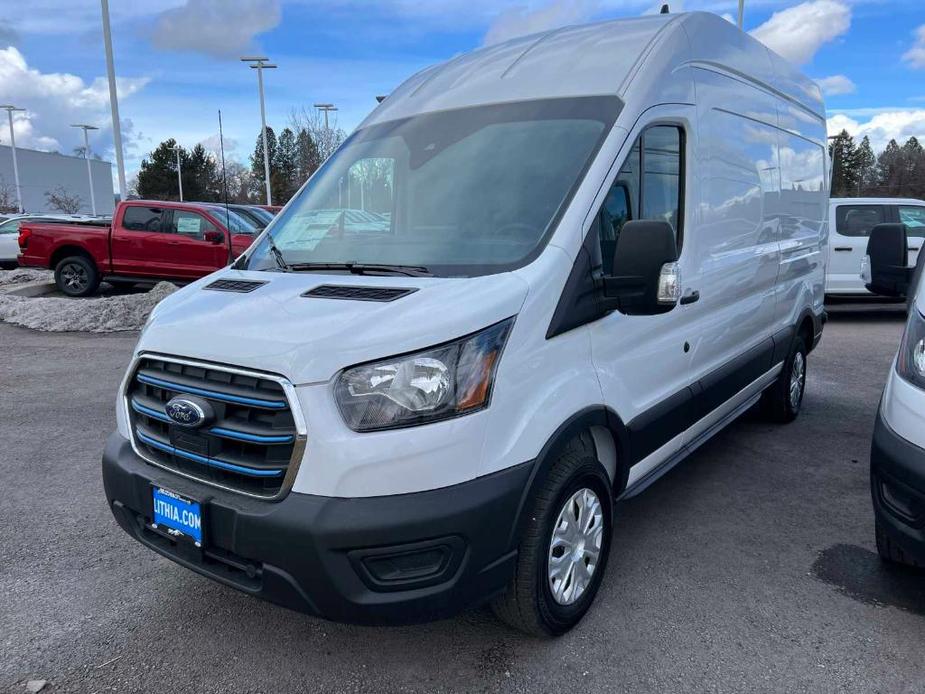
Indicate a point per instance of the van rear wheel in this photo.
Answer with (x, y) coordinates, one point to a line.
(563, 550)
(77, 276)
(782, 401)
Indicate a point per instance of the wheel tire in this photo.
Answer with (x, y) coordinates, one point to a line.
(781, 403)
(528, 603)
(890, 552)
(76, 275)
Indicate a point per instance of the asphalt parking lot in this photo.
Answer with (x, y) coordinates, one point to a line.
(751, 567)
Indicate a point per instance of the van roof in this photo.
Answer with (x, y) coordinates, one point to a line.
(604, 58)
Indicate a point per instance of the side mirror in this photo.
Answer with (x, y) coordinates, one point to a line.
(645, 278)
(884, 269)
(215, 237)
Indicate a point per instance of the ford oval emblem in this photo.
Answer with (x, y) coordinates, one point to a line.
(187, 411)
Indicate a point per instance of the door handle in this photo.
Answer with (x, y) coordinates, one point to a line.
(694, 296)
(842, 249)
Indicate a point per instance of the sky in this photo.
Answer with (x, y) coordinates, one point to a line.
(177, 60)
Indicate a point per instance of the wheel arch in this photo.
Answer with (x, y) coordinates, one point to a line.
(66, 251)
(611, 443)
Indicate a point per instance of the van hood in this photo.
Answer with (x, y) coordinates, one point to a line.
(308, 340)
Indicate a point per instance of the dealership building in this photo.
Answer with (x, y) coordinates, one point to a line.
(41, 173)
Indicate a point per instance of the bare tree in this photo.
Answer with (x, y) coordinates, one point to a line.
(327, 140)
(7, 197)
(63, 201)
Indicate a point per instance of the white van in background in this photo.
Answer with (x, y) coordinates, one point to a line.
(850, 223)
(576, 256)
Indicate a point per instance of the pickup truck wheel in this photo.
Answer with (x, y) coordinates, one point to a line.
(563, 550)
(77, 276)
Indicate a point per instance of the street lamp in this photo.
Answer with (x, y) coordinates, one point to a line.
(9, 112)
(325, 108)
(86, 129)
(113, 99)
(741, 14)
(259, 63)
(177, 148)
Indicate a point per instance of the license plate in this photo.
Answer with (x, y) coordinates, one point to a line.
(177, 514)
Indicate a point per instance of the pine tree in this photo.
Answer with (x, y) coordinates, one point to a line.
(257, 168)
(866, 167)
(284, 179)
(308, 158)
(157, 177)
(913, 160)
(202, 177)
(890, 170)
(844, 165)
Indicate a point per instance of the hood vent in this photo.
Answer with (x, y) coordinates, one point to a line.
(240, 286)
(357, 293)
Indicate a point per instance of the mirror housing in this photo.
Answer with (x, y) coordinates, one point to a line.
(887, 257)
(213, 236)
(644, 262)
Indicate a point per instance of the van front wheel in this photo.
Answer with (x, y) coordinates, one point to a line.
(563, 549)
(782, 401)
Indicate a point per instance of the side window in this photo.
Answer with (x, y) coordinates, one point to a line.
(858, 220)
(138, 218)
(648, 187)
(914, 219)
(190, 224)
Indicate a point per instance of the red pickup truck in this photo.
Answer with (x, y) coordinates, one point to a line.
(147, 240)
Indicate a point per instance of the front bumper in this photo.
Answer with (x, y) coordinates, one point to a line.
(897, 475)
(392, 559)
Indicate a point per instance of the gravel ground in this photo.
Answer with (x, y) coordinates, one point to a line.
(749, 568)
(99, 314)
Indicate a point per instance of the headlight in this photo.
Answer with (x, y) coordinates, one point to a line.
(445, 381)
(910, 364)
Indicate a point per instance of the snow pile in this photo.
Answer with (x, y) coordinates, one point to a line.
(100, 315)
(24, 276)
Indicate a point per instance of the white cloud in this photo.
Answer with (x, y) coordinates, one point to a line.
(881, 128)
(835, 85)
(219, 28)
(55, 100)
(915, 56)
(523, 20)
(798, 32)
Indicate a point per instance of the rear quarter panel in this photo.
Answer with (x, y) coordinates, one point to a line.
(48, 241)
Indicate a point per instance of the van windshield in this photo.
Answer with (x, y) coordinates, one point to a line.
(466, 192)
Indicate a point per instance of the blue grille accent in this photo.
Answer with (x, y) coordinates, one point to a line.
(154, 443)
(148, 412)
(253, 438)
(224, 397)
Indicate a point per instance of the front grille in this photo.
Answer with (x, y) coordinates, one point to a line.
(253, 443)
(355, 293)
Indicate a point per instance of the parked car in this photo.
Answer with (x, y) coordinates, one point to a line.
(147, 240)
(250, 215)
(561, 280)
(850, 224)
(897, 457)
(9, 232)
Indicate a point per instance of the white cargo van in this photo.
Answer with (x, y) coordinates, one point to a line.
(850, 223)
(534, 279)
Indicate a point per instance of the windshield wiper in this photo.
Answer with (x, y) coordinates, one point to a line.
(365, 268)
(278, 255)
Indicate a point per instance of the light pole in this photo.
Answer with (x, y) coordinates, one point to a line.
(259, 64)
(9, 112)
(86, 129)
(176, 149)
(741, 14)
(113, 99)
(325, 108)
